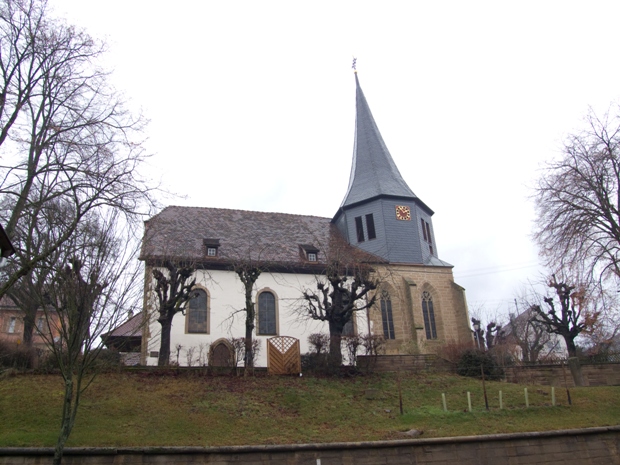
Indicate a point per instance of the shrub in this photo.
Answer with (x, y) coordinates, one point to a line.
(352, 344)
(319, 342)
(315, 363)
(470, 362)
(373, 344)
(16, 356)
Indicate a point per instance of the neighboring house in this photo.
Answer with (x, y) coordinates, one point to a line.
(380, 222)
(12, 325)
(529, 341)
(126, 339)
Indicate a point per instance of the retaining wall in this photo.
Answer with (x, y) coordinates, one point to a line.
(591, 446)
(607, 374)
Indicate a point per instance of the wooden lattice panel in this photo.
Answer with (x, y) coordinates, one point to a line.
(283, 357)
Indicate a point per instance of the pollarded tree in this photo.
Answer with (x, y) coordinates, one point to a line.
(340, 292)
(174, 281)
(578, 201)
(571, 318)
(248, 273)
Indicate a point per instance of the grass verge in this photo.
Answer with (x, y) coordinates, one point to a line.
(147, 409)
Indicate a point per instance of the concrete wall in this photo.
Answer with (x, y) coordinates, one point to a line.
(592, 446)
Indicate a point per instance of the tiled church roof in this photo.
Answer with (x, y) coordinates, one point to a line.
(277, 238)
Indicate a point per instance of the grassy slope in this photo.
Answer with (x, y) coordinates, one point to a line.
(133, 409)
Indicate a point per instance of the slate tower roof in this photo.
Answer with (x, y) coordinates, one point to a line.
(373, 171)
(380, 214)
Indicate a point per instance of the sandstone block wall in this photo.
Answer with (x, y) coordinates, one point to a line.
(592, 446)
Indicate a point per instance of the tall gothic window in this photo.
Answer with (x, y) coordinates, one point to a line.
(429, 316)
(197, 312)
(386, 316)
(266, 313)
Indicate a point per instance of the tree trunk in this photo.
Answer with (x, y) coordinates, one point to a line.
(164, 343)
(249, 329)
(570, 346)
(66, 426)
(335, 349)
(29, 317)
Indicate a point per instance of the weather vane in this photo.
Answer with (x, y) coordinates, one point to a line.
(354, 65)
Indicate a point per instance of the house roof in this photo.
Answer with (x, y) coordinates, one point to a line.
(373, 171)
(132, 327)
(275, 238)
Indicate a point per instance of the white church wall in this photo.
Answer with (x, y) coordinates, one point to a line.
(226, 298)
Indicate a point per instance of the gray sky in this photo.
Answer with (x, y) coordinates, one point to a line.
(252, 106)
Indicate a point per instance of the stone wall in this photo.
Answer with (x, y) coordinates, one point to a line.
(413, 363)
(592, 446)
(607, 374)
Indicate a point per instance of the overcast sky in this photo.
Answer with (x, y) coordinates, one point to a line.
(252, 106)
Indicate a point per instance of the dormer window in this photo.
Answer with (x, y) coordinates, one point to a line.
(309, 252)
(211, 246)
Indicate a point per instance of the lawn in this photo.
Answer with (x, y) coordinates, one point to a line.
(167, 409)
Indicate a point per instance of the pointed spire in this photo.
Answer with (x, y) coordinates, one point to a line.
(373, 172)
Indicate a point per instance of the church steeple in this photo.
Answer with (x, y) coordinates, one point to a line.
(373, 172)
(380, 213)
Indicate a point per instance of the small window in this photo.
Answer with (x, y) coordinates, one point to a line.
(12, 324)
(429, 316)
(197, 312)
(386, 316)
(211, 246)
(267, 313)
(40, 324)
(359, 227)
(370, 227)
(154, 353)
(308, 252)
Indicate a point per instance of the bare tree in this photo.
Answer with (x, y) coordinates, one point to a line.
(571, 318)
(494, 334)
(68, 142)
(92, 280)
(578, 200)
(248, 272)
(340, 292)
(529, 335)
(174, 282)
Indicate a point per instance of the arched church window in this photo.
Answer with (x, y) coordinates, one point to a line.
(429, 315)
(266, 313)
(197, 312)
(386, 315)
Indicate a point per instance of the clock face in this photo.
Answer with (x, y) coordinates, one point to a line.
(403, 213)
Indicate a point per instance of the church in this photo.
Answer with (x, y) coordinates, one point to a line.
(419, 306)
